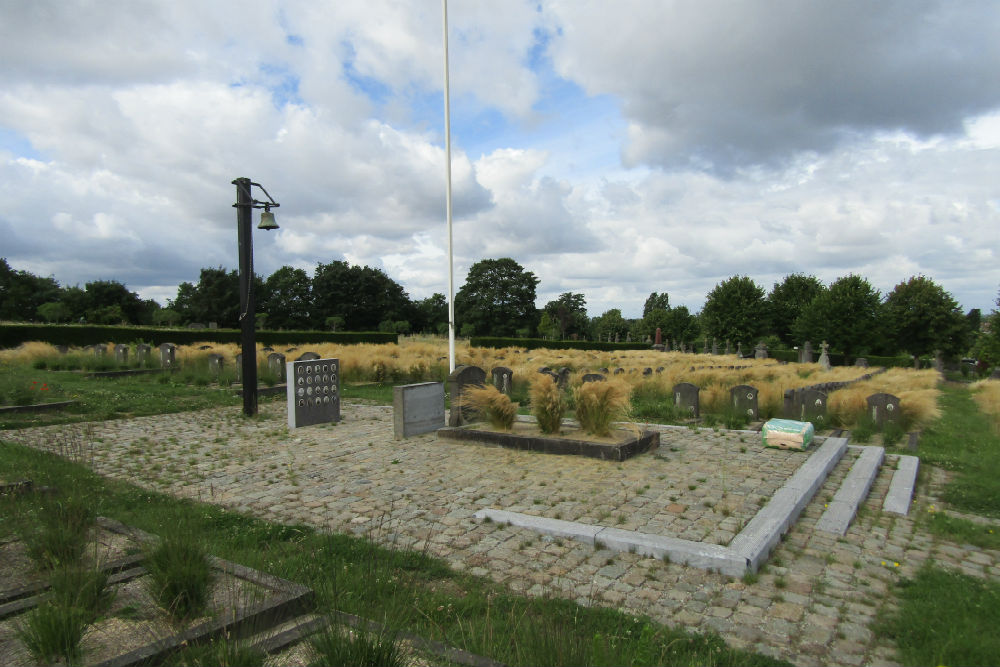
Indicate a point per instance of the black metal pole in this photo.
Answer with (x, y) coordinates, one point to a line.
(244, 206)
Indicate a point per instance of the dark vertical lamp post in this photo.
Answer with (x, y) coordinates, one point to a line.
(245, 202)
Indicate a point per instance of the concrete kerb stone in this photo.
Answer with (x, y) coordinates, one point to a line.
(900, 494)
(747, 551)
(840, 512)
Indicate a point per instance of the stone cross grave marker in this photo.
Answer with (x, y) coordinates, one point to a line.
(824, 357)
(686, 398)
(121, 353)
(744, 399)
(883, 408)
(168, 355)
(460, 378)
(313, 391)
(503, 379)
(813, 407)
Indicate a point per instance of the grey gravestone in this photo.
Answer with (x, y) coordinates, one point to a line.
(267, 348)
(938, 361)
(744, 399)
(824, 357)
(806, 353)
(562, 377)
(276, 363)
(460, 378)
(619, 371)
(861, 362)
(313, 392)
(790, 406)
(196, 325)
(307, 356)
(142, 353)
(204, 347)
(291, 349)
(213, 325)
(593, 377)
(760, 352)
(686, 398)
(729, 347)
(659, 369)
(215, 363)
(604, 370)
(704, 346)
(417, 408)
(121, 353)
(544, 369)
(63, 349)
(883, 408)
(813, 407)
(100, 350)
(739, 349)
(995, 375)
(503, 379)
(647, 371)
(168, 355)
(715, 346)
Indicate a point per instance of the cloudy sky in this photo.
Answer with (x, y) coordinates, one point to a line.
(612, 148)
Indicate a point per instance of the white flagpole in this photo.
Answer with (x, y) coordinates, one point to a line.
(447, 151)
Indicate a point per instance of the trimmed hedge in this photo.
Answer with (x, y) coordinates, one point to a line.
(78, 335)
(539, 343)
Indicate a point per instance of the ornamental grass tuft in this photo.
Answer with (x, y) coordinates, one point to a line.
(547, 404)
(600, 403)
(495, 406)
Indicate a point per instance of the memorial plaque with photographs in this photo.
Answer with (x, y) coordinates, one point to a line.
(313, 392)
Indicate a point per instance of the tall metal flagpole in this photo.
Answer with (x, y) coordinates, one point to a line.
(447, 151)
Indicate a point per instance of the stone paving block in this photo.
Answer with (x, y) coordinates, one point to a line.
(897, 500)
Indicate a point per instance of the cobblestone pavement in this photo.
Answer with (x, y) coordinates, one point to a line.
(813, 603)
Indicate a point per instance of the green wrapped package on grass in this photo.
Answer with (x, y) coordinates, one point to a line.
(787, 434)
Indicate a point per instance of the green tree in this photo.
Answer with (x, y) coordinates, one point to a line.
(430, 314)
(919, 317)
(735, 311)
(54, 311)
(287, 299)
(166, 316)
(846, 316)
(22, 292)
(216, 298)
(569, 314)
(362, 295)
(680, 324)
(547, 328)
(656, 302)
(111, 302)
(786, 301)
(497, 299)
(609, 325)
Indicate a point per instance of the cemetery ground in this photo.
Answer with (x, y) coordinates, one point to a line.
(383, 529)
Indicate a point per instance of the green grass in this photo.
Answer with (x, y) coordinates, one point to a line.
(55, 531)
(963, 440)
(180, 575)
(337, 647)
(403, 589)
(964, 531)
(53, 631)
(946, 618)
(380, 392)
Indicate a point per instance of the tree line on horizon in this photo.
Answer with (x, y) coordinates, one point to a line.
(498, 299)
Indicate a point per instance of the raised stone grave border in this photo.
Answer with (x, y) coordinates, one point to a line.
(285, 601)
(745, 553)
(38, 407)
(621, 451)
